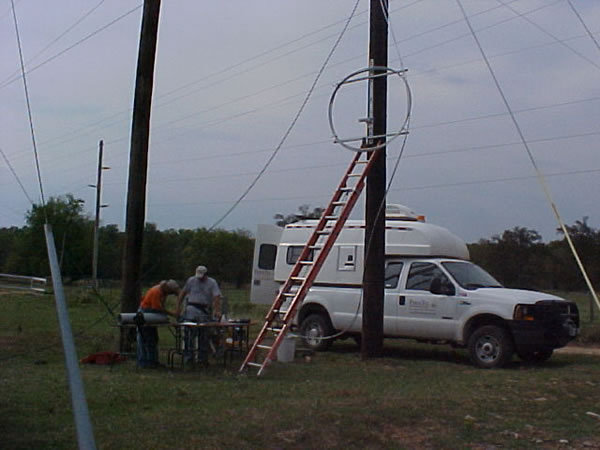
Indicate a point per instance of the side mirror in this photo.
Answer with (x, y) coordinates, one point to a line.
(441, 288)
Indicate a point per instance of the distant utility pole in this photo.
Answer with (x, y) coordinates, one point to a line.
(374, 272)
(98, 187)
(138, 161)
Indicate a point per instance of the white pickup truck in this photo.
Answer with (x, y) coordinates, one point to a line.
(432, 293)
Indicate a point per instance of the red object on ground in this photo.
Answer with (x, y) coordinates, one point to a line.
(104, 358)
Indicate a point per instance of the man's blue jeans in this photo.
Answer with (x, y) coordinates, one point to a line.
(147, 344)
(194, 314)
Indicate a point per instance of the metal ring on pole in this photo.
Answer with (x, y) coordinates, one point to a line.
(353, 78)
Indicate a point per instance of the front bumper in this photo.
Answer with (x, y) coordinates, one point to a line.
(555, 324)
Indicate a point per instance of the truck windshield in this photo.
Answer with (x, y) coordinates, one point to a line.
(470, 276)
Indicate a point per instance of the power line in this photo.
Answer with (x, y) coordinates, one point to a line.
(71, 27)
(16, 176)
(289, 130)
(420, 127)
(233, 66)
(532, 159)
(496, 180)
(245, 113)
(272, 50)
(220, 72)
(397, 189)
(333, 165)
(257, 109)
(588, 31)
(497, 55)
(547, 33)
(62, 52)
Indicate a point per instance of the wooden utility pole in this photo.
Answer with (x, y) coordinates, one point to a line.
(374, 272)
(98, 187)
(138, 161)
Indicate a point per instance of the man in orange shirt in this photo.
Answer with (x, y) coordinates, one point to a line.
(147, 336)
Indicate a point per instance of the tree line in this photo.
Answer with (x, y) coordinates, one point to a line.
(166, 254)
(518, 257)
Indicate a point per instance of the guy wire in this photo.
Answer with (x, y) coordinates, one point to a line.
(289, 130)
(539, 174)
(35, 152)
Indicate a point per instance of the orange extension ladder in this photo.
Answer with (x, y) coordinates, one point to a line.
(278, 321)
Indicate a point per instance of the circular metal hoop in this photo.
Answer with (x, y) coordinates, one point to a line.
(353, 78)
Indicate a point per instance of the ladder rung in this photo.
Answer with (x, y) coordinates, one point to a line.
(289, 294)
(297, 278)
(332, 217)
(306, 263)
(321, 232)
(362, 161)
(338, 203)
(275, 330)
(253, 364)
(315, 247)
(264, 347)
(355, 175)
(347, 189)
(279, 311)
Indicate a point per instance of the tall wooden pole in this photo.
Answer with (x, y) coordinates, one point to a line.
(374, 273)
(138, 159)
(97, 219)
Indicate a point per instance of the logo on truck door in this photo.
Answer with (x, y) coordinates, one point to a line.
(421, 306)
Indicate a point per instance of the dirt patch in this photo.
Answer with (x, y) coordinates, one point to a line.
(579, 350)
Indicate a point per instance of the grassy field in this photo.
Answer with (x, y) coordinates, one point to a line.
(415, 396)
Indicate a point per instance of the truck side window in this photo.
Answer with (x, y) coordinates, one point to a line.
(266, 256)
(294, 252)
(421, 274)
(392, 274)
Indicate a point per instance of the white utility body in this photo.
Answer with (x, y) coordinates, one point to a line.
(432, 292)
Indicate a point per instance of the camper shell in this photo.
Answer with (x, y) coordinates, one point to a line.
(432, 292)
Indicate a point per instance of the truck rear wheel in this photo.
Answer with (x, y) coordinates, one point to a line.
(314, 328)
(490, 346)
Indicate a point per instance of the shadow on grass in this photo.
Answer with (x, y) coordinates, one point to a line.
(408, 350)
(412, 351)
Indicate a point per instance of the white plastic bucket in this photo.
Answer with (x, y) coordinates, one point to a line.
(286, 350)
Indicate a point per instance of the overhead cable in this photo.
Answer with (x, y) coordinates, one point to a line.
(16, 176)
(539, 174)
(289, 130)
(62, 52)
(221, 71)
(588, 31)
(413, 127)
(547, 33)
(398, 189)
(56, 39)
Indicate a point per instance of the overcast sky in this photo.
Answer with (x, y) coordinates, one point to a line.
(230, 77)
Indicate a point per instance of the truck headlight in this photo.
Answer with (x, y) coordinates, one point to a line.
(524, 312)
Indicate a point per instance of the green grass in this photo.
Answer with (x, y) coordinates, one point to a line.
(414, 396)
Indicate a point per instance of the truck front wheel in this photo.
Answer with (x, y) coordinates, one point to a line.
(314, 328)
(490, 346)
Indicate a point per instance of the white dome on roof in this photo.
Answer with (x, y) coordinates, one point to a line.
(397, 211)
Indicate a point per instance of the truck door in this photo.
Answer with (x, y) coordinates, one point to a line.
(393, 270)
(425, 314)
(264, 288)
